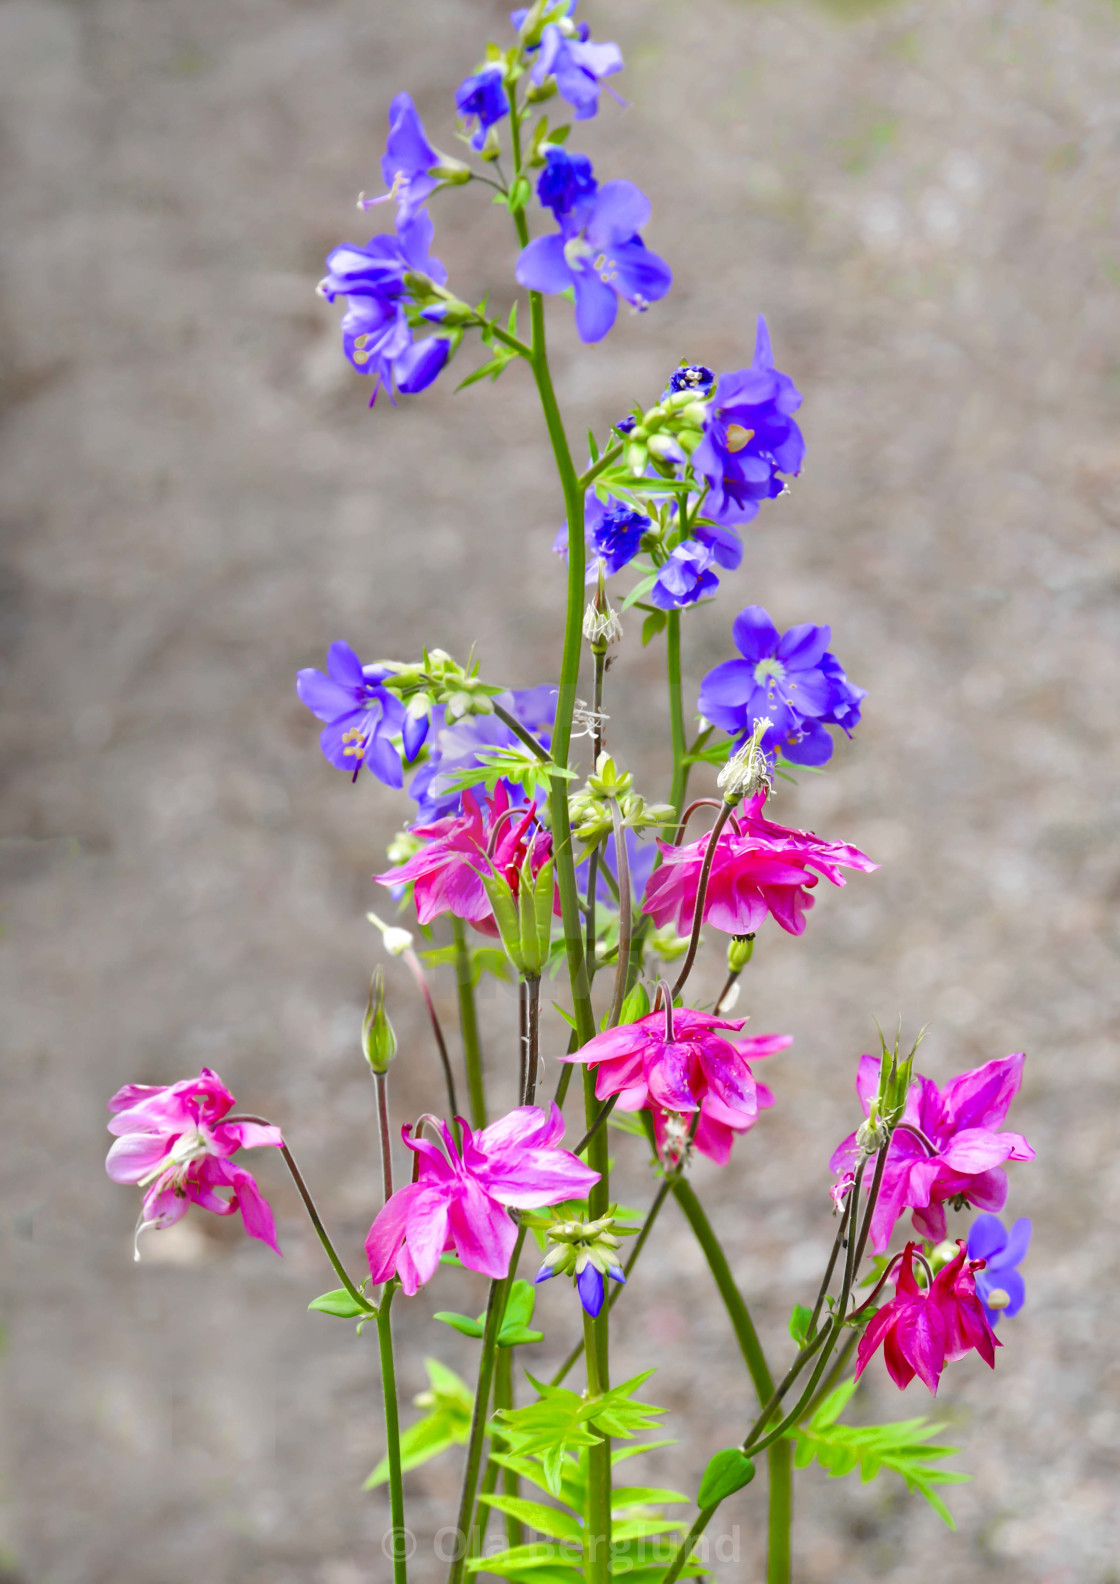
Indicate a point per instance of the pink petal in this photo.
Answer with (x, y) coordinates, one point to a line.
(481, 1231)
(134, 1155)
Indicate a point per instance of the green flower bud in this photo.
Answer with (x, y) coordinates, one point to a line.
(747, 771)
(739, 952)
(379, 1043)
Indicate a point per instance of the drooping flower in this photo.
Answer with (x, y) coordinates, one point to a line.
(599, 253)
(949, 1148)
(481, 98)
(463, 744)
(999, 1284)
(719, 1126)
(588, 1252)
(567, 180)
(749, 437)
(172, 1142)
(361, 715)
(376, 335)
(459, 850)
(462, 1198)
(613, 533)
(568, 53)
(679, 1063)
(685, 577)
(409, 164)
(922, 1330)
(761, 868)
(789, 679)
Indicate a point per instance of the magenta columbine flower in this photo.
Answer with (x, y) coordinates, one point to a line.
(461, 1199)
(719, 1125)
(447, 874)
(922, 1330)
(759, 868)
(999, 1284)
(949, 1147)
(362, 716)
(171, 1141)
(675, 1064)
(600, 255)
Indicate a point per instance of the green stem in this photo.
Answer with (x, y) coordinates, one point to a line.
(609, 457)
(780, 1519)
(684, 1550)
(393, 1437)
(737, 1312)
(503, 1398)
(625, 915)
(468, 1024)
(597, 1545)
(679, 788)
(316, 1222)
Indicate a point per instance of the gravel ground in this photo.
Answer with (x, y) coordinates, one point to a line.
(923, 200)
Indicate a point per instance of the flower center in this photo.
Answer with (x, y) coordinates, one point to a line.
(577, 252)
(998, 1298)
(769, 671)
(738, 437)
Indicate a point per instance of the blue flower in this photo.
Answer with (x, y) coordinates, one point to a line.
(376, 336)
(408, 164)
(1003, 1250)
(790, 679)
(461, 745)
(599, 253)
(566, 180)
(749, 438)
(482, 98)
(692, 377)
(685, 577)
(613, 533)
(591, 1286)
(361, 715)
(579, 65)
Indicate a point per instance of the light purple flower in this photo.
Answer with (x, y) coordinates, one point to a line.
(409, 163)
(579, 64)
(685, 577)
(361, 715)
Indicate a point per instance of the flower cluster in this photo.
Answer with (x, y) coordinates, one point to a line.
(922, 1329)
(171, 1141)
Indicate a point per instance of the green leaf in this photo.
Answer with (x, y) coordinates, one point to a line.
(519, 1311)
(483, 959)
(560, 1561)
(799, 1323)
(451, 1402)
(519, 194)
(727, 1472)
(653, 624)
(553, 1521)
(644, 1496)
(842, 1448)
(496, 366)
(639, 590)
(339, 1302)
(459, 1322)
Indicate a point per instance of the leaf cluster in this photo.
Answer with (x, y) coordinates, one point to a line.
(561, 1421)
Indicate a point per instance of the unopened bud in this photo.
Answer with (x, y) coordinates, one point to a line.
(491, 148)
(379, 1043)
(739, 952)
(871, 1136)
(748, 771)
(601, 628)
(452, 171)
(538, 95)
(394, 939)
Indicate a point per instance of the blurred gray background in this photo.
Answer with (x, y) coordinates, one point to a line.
(923, 200)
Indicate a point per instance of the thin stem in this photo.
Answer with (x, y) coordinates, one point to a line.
(679, 785)
(608, 459)
(839, 1367)
(600, 661)
(597, 1542)
(697, 803)
(503, 1398)
(625, 915)
(309, 1206)
(520, 732)
(393, 1437)
(468, 1025)
(731, 982)
(737, 1311)
(684, 1550)
(604, 1112)
(531, 994)
(381, 1090)
(416, 968)
(701, 893)
(779, 1553)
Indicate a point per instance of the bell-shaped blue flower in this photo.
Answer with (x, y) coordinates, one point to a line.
(578, 64)
(567, 179)
(685, 577)
(361, 715)
(409, 163)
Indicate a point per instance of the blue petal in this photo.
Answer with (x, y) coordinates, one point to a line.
(726, 688)
(423, 362)
(643, 277)
(596, 305)
(413, 732)
(620, 210)
(542, 266)
(344, 667)
(812, 745)
(324, 698)
(589, 1283)
(986, 1238)
(755, 635)
(801, 647)
(1018, 1241)
(384, 760)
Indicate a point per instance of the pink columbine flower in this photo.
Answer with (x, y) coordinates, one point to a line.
(759, 868)
(172, 1142)
(675, 1064)
(923, 1330)
(461, 1200)
(447, 875)
(949, 1146)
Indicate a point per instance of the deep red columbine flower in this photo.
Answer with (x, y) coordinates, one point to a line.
(759, 868)
(922, 1330)
(462, 1198)
(947, 1147)
(172, 1142)
(460, 849)
(675, 1067)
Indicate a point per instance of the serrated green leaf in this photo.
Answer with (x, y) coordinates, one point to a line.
(459, 1322)
(552, 1521)
(451, 1402)
(340, 1303)
(644, 1528)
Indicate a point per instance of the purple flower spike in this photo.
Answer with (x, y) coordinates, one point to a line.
(1000, 1280)
(599, 253)
(361, 716)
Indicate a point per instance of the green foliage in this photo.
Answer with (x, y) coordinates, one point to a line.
(514, 1331)
(654, 623)
(340, 1303)
(448, 1422)
(799, 1322)
(514, 763)
(484, 959)
(727, 1472)
(899, 1447)
(502, 355)
(561, 1421)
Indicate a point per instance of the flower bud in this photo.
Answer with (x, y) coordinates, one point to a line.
(739, 952)
(379, 1043)
(747, 771)
(491, 148)
(452, 171)
(601, 628)
(538, 95)
(394, 939)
